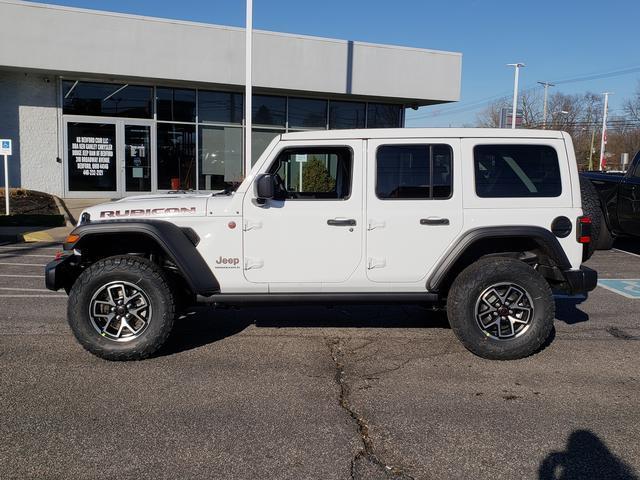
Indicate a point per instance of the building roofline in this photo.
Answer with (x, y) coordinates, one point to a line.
(218, 26)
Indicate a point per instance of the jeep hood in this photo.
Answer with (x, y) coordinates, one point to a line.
(159, 206)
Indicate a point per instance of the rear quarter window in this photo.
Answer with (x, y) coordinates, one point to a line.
(516, 171)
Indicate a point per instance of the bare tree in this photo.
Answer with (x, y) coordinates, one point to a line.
(581, 116)
(632, 105)
(490, 116)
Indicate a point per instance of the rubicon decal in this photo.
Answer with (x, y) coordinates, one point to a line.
(144, 212)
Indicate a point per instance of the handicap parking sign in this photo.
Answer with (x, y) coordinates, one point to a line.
(629, 288)
(5, 147)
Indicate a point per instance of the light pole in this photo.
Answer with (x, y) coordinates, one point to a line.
(544, 111)
(557, 112)
(247, 89)
(603, 140)
(515, 91)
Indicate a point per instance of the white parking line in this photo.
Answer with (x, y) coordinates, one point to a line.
(21, 276)
(33, 296)
(11, 255)
(624, 251)
(35, 247)
(25, 264)
(25, 289)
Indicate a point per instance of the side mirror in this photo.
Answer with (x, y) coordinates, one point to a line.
(265, 186)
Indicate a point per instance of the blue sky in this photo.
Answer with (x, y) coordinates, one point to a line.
(561, 39)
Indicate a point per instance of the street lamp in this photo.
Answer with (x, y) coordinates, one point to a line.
(515, 91)
(553, 116)
(247, 89)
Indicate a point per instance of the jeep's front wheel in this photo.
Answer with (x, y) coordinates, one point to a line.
(501, 309)
(121, 308)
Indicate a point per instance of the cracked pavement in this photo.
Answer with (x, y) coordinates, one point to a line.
(363, 392)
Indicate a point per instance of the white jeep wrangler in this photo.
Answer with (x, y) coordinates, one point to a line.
(485, 223)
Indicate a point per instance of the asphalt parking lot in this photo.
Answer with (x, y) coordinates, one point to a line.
(361, 392)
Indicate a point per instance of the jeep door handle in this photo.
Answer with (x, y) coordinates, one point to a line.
(434, 221)
(339, 222)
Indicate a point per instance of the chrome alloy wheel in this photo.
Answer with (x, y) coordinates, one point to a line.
(120, 311)
(504, 311)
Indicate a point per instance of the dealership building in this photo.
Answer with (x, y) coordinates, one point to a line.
(101, 104)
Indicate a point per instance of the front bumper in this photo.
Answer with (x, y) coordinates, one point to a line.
(56, 272)
(581, 281)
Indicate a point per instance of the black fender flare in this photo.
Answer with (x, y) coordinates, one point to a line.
(179, 245)
(541, 236)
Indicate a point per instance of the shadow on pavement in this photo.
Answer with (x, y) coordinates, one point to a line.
(567, 310)
(585, 457)
(627, 244)
(202, 326)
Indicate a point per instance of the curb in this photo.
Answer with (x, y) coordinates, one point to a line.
(62, 208)
(27, 237)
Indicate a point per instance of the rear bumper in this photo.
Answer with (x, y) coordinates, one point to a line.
(581, 281)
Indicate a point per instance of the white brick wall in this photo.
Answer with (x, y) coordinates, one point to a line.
(28, 115)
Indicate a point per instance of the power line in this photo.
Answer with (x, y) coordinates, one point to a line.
(597, 76)
(477, 104)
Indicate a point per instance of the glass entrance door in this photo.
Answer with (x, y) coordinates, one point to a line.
(109, 158)
(137, 159)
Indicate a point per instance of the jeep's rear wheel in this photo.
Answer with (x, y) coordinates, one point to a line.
(121, 308)
(501, 309)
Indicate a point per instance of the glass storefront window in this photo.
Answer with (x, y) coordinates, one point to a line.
(346, 115)
(107, 99)
(137, 158)
(220, 107)
(92, 157)
(269, 110)
(119, 157)
(260, 139)
(307, 113)
(175, 104)
(220, 157)
(176, 156)
(381, 115)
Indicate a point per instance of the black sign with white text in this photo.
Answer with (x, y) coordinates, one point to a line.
(91, 157)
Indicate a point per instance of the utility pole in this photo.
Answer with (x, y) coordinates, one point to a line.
(593, 138)
(247, 89)
(515, 91)
(603, 140)
(544, 111)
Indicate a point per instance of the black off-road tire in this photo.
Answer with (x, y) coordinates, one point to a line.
(482, 275)
(137, 271)
(591, 206)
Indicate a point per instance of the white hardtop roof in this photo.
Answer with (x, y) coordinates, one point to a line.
(421, 133)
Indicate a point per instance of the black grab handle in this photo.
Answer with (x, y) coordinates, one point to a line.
(434, 221)
(341, 223)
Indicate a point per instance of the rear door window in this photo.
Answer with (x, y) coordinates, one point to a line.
(414, 172)
(503, 171)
